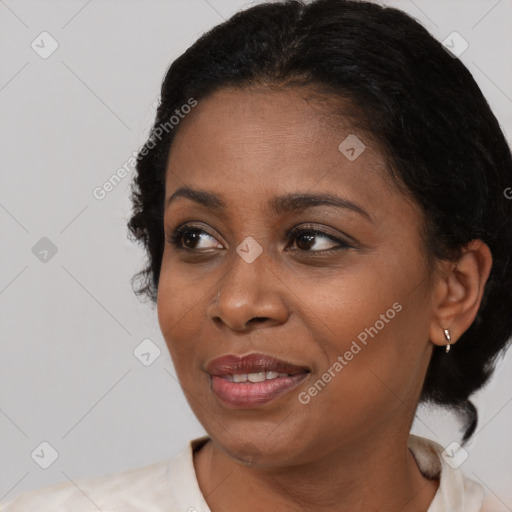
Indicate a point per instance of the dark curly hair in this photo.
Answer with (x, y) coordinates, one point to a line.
(442, 143)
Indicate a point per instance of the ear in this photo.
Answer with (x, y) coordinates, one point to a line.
(458, 292)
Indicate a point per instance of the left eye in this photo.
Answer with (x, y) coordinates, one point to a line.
(306, 240)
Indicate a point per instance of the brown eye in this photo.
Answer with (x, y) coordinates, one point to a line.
(188, 237)
(307, 239)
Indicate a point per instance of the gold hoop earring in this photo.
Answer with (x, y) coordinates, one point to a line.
(448, 339)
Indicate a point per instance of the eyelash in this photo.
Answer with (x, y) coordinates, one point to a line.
(176, 237)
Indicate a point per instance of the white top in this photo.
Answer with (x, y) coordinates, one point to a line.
(171, 486)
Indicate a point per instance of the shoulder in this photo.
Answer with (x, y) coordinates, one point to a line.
(141, 486)
(456, 492)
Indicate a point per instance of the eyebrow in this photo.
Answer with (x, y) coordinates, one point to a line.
(278, 205)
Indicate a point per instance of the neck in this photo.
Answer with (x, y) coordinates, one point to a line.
(379, 473)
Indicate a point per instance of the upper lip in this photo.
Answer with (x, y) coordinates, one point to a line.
(252, 363)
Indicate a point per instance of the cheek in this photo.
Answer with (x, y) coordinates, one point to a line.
(179, 304)
(361, 325)
(372, 338)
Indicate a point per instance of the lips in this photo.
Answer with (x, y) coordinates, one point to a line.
(253, 380)
(252, 363)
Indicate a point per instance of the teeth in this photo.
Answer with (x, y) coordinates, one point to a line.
(255, 377)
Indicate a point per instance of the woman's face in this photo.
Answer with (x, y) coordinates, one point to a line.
(346, 298)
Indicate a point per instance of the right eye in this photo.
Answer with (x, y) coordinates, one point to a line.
(187, 237)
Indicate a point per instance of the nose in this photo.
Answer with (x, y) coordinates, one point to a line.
(248, 296)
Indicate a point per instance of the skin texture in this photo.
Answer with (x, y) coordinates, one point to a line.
(347, 448)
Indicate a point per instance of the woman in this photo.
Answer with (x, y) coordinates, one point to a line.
(322, 203)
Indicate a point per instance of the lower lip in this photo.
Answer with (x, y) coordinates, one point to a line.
(250, 394)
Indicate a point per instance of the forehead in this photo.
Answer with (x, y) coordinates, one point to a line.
(251, 143)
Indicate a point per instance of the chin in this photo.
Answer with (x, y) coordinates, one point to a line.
(261, 449)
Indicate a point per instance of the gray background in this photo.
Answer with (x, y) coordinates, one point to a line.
(70, 324)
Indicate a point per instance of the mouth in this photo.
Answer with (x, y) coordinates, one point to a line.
(252, 380)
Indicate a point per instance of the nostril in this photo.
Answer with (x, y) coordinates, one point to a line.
(258, 319)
